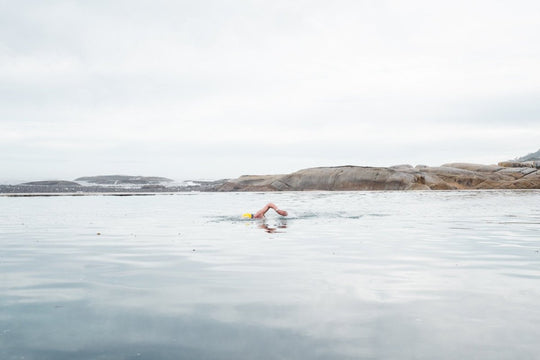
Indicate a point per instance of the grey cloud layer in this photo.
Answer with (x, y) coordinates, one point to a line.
(276, 78)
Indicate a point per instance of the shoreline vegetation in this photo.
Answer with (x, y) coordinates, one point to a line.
(514, 174)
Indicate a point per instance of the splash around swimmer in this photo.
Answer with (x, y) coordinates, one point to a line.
(260, 214)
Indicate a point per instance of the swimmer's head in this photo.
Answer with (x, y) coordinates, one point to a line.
(248, 215)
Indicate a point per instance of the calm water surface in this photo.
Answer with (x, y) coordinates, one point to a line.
(348, 275)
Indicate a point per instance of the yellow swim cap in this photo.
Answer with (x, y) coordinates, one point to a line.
(248, 215)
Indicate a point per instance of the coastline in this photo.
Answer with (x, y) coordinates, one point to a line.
(454, 176)
(125, 194)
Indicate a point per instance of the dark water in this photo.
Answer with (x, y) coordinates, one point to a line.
(349, 275)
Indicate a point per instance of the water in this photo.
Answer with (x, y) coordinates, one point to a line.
(348, 275)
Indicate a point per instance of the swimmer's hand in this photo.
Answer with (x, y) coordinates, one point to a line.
(282, 212)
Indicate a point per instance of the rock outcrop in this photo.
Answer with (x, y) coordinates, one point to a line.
(455, 176)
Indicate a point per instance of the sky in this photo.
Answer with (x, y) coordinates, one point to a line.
(217, 89)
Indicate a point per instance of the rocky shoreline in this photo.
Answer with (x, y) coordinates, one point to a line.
(454, 176)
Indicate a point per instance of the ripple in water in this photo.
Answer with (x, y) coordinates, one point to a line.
(348, 275)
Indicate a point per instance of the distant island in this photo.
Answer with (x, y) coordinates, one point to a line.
(107, 184)
(521, 173)
(123, 179)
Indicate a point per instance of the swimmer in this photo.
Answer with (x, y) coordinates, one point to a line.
(260, 214)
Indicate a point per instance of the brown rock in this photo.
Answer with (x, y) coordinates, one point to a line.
(349, 178)
(447, 177)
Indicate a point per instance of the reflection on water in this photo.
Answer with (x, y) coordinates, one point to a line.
(278, 226)
(380, 275)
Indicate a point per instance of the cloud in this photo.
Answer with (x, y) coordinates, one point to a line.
(269, 78)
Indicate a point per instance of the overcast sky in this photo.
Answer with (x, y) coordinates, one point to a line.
(214, 89)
